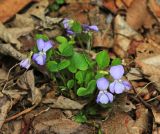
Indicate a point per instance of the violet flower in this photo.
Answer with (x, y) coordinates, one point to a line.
(102, 84)
(118, 85)
(43, 47)
(26, 63)
(104, 97)
(88, 28)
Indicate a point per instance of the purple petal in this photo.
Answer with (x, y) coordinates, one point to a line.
(117, 72)
(85, 27)
(25, 63)
(110, 96)
(111, 87)
(66, 23)
(39, 58)
(40, 44)
(102, 83)
(94, 28)
(127, 85)
(116, 87)
(47, 46)
(102, 98)
(35, 56)
(70, 32)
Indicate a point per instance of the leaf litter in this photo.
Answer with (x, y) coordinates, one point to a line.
(23, 100)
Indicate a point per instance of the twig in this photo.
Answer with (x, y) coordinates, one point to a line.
(20, 114)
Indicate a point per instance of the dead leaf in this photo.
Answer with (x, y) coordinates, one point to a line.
(5, 107)
(124, 35)
(110, 4)
(122, 123)
(138, 9)
(11, 35)
(36, 93)
(38, 10)
(3, 75)
(148, 58)
(8, 49)
(7, 10)
(154, 6)
(64, 103)
(134, 74)
(53, 121)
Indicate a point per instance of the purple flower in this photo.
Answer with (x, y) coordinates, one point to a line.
(118, 85)
(104, 97)
(67, 23)
(102, 84)
(88, 28)
(26, 63)
(43, 47)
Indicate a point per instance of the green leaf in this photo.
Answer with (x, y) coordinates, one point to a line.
(80, 75)
(70, 84)
(79, 61)
(91, 86)
(76, 27)
(72, 68)
(49, 54)
(41, 36)
(98, 75)
(80, 118)
(60, 2)
(61, 39)
(63, 64)
(52, 66)
(116, 61)
(89, 76)
(66, 49)
(87, 91)
(102, 59)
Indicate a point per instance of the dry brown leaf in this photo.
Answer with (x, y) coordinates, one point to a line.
(36, 93)
(156, 114)
(134, 74)
(148, 58)
(110, 5)
(3, 74)
(124, 35)
(8, 8)
(154, 6)
(122, 123)
(5, 107)
(11, 35)
(64, 103)
(53, 121)
(8, 49)
(139, 10)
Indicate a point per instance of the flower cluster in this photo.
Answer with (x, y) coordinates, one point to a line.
(118, 86)
(67, 23)
(40, 57)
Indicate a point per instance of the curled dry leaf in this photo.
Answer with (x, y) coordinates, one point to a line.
(124, 35)
(53, 121)
(156, 114)
(5, 107)
(64, 103)
(138, 9)
(122, 123)
(134, 74)
(154, 6)
(39, 9)
(36, 94)
(8, 49)
(7, 10)
(148, 58)
(11, 35)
